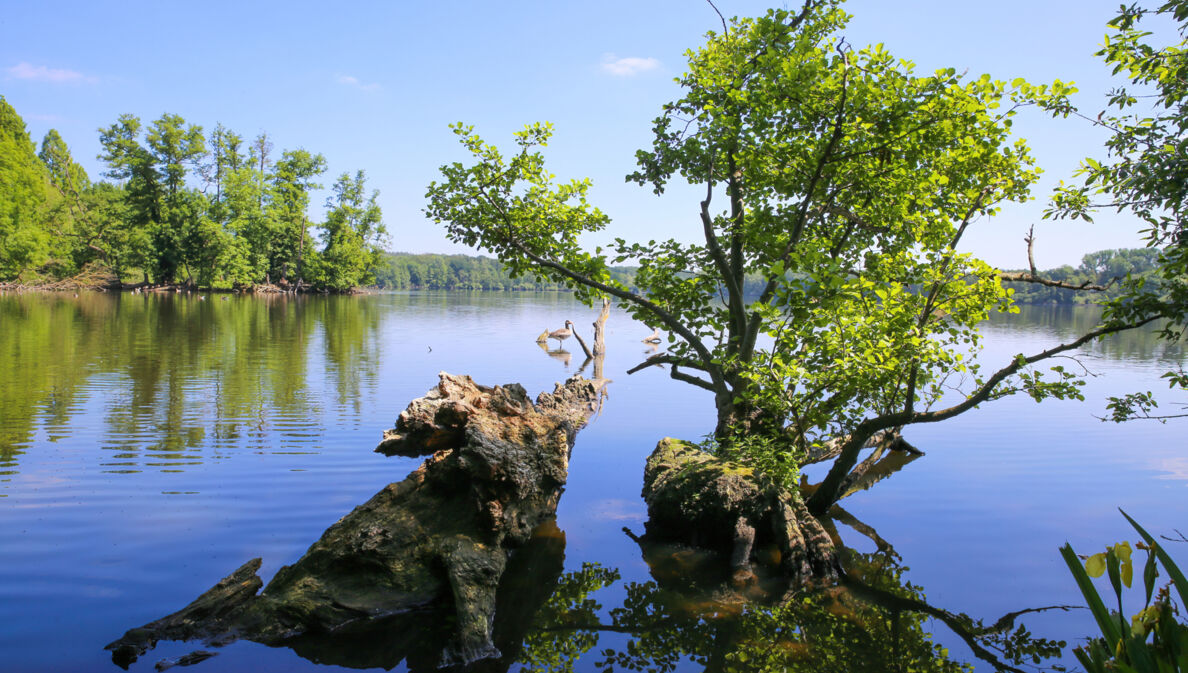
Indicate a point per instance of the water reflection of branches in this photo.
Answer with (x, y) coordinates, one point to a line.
(873, 620)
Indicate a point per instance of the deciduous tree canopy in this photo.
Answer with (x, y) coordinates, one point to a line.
(181, 207)
(842, 178)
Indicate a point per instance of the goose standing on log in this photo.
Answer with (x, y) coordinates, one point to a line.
(653, 338)
(562, 334)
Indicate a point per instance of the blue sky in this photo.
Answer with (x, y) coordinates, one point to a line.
(373, 85)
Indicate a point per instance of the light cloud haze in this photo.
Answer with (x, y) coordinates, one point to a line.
(41, 73)
(351, 80)
(628, 65)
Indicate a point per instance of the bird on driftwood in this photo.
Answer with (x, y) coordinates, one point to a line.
(653, 338)
(562, 334)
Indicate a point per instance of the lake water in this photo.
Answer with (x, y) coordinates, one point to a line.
(149, 445)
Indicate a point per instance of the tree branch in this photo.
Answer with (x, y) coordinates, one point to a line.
(689, 378)
(826, 494)
(1034, 277)
(666, 359)
(909, 402)
(1030, 240)
(674, 325)
(733, 288)
(1023, 277)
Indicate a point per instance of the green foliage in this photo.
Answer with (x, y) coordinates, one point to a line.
(764, 453)
(1153, 641)
(181, 209)
(1144, 172)
(512, 208)
(848, 180)
(25, 199)
(293, 178)
(353, 230)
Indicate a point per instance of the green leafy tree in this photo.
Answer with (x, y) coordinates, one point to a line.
(1144, 173)
(352, 233)
(848, 181)
(133, 166)
(166, 222)
(25, 198)
(225, 155)
(243, 195)
(292, 181)
(179, 237)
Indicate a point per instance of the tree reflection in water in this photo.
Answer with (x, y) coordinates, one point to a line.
(873, 620)
(546, 620)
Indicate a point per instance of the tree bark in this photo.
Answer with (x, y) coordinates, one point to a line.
(600, 330)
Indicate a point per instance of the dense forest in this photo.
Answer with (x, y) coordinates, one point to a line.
(182, 206)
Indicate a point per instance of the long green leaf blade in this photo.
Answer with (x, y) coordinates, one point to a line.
(1109, 628)
(1169, 565)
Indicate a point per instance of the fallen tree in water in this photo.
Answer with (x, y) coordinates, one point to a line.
(442, 535)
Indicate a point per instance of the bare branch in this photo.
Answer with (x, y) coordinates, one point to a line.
(1021, 277)
(666, 359)
(1030, 240)
(1034, 277)
(689, 378)
(725, 30)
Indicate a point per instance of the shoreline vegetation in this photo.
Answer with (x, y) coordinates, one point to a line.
(213, 212)
(478, 273)
(181, 208)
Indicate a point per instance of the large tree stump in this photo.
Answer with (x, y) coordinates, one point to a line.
(708, 502)
(440, 537)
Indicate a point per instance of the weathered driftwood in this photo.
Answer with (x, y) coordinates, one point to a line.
(708, 502)
(442, 535)
(600, 330)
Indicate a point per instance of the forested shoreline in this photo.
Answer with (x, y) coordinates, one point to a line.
(180, 207)
(431, 271)
(218, 211)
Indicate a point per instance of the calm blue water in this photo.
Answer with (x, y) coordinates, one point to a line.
(151, 445)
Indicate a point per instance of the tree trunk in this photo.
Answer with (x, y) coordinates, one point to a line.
(301, 249)
(600, 330)
(709, 502)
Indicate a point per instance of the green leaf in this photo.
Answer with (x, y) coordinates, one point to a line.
(1107, 625)
(1169, 565)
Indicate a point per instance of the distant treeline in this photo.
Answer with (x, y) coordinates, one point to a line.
(182, 206)
(405, 271)
(1096, 268)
